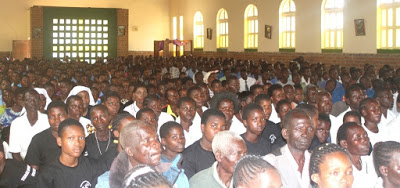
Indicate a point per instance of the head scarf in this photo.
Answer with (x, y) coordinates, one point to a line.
(78, 89)
(42, 91)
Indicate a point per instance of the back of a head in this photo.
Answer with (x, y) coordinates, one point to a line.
(144, 176)
(211, 113)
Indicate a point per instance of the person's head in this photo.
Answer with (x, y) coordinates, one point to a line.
(324, 102)
(139, 93)
(310, 93)
(172, 137)
(216, 86)
(254, 171)
(71, 138)
(75, 106)
(56, 113)
(228, 148)
(384, 97)
(31, 100)
(65, 86)
(148, 115)
(186, 109)
(245, 98)
(197, 95)
(330, 85)
(111, 100)
(282, 108)
(289, 92)
(120, 120)
(154, 103)
(276, 93)
(371, 111)
(297, 129)
(386, 157)
(298, 94)
(323, 128)
(145, 176)
(265, 103)
(254, 119)
(100, 117)
(352, 116)
(212, 122)
(354, 95)
(330, 166)
(19, 97)
(256, 89)
(140, 142)
(311, 111)
(232, 84)
(227, 103)
(171, 96)
(354, 139)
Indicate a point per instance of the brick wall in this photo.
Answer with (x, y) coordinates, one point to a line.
(123, 40)
(36, 22)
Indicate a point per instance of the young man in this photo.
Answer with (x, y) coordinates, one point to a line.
(149, 116)
(385, 99)
(199, 155)
(277, 94)
(189, 119)
(43, 148)
(72, 169)
(371, 112)
(228, 148)
(245, 81)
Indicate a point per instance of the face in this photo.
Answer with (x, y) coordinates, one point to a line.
(150, 118)
(64, 88)
(7, 97)
(299, 133)
(289, 92)
(311, 95)
(393, 172)
(324, 104)
(234, 86)
(75, 108)
(100, 119)
(139, 94)
(112, 105)
(226, 106)
(72, 141)
(147, 150)
(19, 100)
(357, 141)
(255, 123)
(215, 124)
(217, 87)
(335, 171)
(267, 108)
(372, 112)
(198, 96)
(187, 111)
(174, 140)
(356, 96)
(323, 131)
(56, 116)
(85, 98)
(31, 101)
(172, 97)
(298, 96)
(277, 96)
(155, 105)
(257, 91)
(386, 99)
(236, 151)
(42, 102)
(283, 110)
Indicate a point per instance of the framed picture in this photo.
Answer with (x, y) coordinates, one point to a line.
(209, 33)
(268, 31)
(36, 32)
(121, 30)
(359, 25)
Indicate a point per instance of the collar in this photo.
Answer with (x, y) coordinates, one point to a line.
(216, 176)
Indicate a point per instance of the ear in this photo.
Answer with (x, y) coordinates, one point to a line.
(383, 170)
(163, 141)
(363, 112)
(203, 128)
(128, 150)
(59, 141)
(245, 123)
(315, 178)
(218, 156)
(116, 133)
(343, 143)
(347, 101)
(285, 134)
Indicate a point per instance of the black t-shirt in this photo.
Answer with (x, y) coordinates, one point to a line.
(262, 147)
(92, 149)
(83, 175)
(17, 174)
(273, 133)
(196, 159)
(43, 149)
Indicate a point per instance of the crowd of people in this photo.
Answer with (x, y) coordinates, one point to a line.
(198, 122)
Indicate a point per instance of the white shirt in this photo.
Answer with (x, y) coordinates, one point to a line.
(194, 132)
(85, 123)
(336, 123)
(21, 132)
(237, 126)
(287, 167)
(163, 118)
(274, 115)
(392, 130)
(394, 109)
(289, 82)
(375, 137)
(366, 177)
(250, 81)
(133, 109)
(385, 121)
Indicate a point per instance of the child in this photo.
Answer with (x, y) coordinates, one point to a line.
(323, 128)
(173, 141)
(71, 169)
(149, 116)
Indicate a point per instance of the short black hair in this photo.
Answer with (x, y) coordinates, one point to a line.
(99, 106)
(109, 94)
(72, 98)
(216, 81)
(350, 89)
(352, 113)
(249, 109)
(272, 88)
(244, 95)
(280, 103)
(140, 113)
(68, 123)
(191, 89)
(225, 95)
(166, 127)
(255, 86)
(342, 131)
(186, 99)
(261, 97)
(57, 104)
(149, 99)
(118, 118)
(139, 85)
(324, 117)
(212, 112)
(364, 102)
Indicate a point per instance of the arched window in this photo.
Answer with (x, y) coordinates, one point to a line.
(222, 29)
(332, 24)
(251, 27)
(198, 30)
(287, 24)
(388, 24)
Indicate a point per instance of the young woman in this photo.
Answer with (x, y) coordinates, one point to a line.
(138, 95)
(386, 157)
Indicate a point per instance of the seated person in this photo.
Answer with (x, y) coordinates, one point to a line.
(154, 103)
(189, 119)
(173, 142)
(197, 95)
(352, 116)
(14, 173)
(75, 111)
(88, 101)
(44, 148)
(386, 157)
(323, 129)
(145, 176)
(148, 115)
(171, 97)
(14, 108)
(140, 145)
(253, 171)
(253, 120)
(199, 156)
(293, 158)
(371, 112)
(138, 95)
(326, 160)
(111, 100)
(228, 148)
(72, 169)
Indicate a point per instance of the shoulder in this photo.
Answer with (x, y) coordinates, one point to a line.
(192, 148)
(202, 178)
